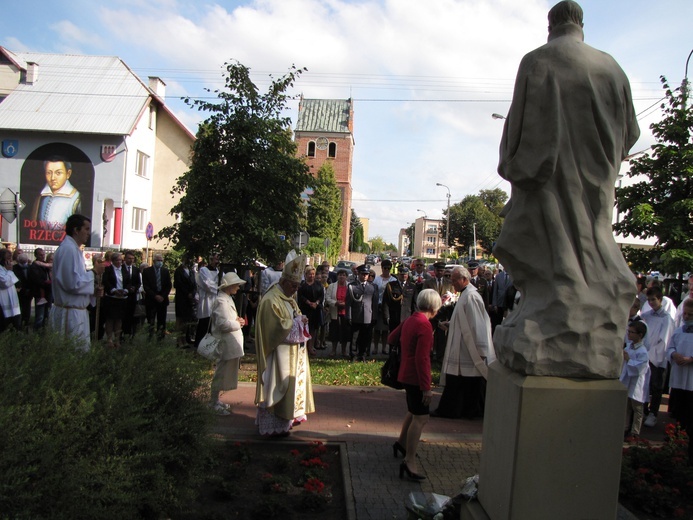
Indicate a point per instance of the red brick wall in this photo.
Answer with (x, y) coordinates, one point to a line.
(341, 163)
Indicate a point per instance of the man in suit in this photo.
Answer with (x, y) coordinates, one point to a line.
(441, 285)
(479, 282)
(502, 286)
(40, 280)
(24, 289)
(157, 286)
(185, 301)
(362, 310)
(132, 280)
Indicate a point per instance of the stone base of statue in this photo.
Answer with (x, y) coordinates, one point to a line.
(551, 448)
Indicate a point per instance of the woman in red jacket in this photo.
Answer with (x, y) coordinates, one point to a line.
(416, 342)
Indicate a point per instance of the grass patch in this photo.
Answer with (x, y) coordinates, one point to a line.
(333, 372)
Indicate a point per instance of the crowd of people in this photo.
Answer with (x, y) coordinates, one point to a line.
(658, 357)
(447, 315)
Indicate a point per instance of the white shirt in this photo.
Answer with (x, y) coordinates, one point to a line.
(470, 328)
(660, 326)
(207, 288)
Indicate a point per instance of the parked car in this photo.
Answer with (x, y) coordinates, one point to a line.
(371, 259)
(345, 264)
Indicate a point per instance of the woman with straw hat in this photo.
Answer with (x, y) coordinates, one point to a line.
(226, 326)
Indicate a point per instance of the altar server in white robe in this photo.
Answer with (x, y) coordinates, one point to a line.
(73, 286)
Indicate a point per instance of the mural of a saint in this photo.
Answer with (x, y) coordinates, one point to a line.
(59, 198)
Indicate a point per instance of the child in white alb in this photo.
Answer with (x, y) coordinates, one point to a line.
(680, 354)
(636, 376)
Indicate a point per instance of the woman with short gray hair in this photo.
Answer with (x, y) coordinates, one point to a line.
(415, 336)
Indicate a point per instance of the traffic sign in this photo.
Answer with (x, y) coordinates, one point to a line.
(301, 240)
(10, 205)
(149, 232)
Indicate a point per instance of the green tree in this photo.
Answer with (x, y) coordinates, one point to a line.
(244, 184)
(482, 210)
(661, 205)
(356, 233)
(325, 210)
(378, 244)
(410, 235)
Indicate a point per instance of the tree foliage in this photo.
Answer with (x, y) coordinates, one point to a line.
(483, 210)
(661, 205)
(356, 234)
(325, 210)
(244, 184)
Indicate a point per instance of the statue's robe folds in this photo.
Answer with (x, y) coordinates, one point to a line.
(570, 125)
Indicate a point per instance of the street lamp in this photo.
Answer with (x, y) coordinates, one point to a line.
(498, 116)
(422, 211)
(447, 224)
(684, 83)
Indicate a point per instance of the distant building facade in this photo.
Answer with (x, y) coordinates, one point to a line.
(85, 134)
(325, 132)
(428, 242)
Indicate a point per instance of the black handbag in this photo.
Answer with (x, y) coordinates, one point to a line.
(389, 370)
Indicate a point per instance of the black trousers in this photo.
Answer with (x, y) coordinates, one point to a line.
(156, 310)
(365, 336)
(463, 397)
(202, 326)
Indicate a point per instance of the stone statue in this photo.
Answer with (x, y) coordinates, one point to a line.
(570, 125)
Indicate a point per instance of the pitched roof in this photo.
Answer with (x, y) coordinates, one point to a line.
(74, 93)
(323, 115)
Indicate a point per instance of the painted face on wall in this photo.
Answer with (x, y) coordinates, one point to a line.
(56, 175)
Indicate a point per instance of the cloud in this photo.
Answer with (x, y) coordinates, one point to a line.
(73, 38)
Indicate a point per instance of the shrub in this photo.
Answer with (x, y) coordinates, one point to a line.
(104, 434)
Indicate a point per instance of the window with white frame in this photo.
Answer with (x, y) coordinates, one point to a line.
(432, 229)
(431, 240)
(311, 149)
(430, 251)
(139, 219)
(142, 167)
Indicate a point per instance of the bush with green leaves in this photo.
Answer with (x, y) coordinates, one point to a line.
(98, 435)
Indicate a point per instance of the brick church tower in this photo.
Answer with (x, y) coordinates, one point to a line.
(325, 132)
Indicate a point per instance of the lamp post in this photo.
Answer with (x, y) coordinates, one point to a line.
(498, 116)
(474, 227)
(447, 223)
(684, 83)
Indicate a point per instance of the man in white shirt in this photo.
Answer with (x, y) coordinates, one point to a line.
(73, 286)
(207, 287)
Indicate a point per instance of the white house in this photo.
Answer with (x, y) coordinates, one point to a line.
(85, 134)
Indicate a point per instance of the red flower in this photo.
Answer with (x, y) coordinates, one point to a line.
(643, 471)
(266, 475)
(295, 452)
(314, 485)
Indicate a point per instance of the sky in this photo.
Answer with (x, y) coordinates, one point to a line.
(425, 75)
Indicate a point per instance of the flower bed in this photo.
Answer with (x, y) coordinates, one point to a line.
(658, 480)
(266, 480)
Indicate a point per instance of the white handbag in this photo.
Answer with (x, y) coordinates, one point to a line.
(208, 347)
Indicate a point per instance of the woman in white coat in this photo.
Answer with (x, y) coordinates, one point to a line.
(226, 327)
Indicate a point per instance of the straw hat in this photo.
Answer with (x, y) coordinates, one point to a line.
(230, 279)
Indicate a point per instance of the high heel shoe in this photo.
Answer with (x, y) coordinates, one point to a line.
(403, 468)
(398, 447)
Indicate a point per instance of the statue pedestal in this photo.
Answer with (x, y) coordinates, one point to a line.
(551, 448)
